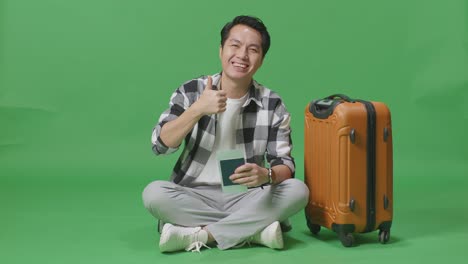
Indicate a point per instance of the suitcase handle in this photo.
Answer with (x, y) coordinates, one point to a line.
(324, 108)
(341, 96)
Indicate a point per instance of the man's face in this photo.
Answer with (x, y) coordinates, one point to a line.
(242, 54)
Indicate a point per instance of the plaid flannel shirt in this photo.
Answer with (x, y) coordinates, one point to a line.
(264, 131)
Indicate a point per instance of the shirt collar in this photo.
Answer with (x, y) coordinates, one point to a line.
(254, 95)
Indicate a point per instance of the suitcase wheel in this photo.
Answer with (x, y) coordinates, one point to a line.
(384, 236)
(347, 239)
(314, 228)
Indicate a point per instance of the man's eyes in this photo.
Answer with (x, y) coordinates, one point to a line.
(254, 50)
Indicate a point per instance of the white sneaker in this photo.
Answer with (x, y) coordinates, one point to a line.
(175, 238)
(271, 236)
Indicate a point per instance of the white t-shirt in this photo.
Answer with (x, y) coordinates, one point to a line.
(228, 122)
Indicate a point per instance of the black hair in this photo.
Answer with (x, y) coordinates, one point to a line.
(252, 22)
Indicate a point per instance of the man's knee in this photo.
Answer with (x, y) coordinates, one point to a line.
(298, 192)
(155, 195)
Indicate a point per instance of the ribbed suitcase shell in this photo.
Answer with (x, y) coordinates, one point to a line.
(336, 171)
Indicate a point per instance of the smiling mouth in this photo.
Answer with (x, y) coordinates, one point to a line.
(240, 65)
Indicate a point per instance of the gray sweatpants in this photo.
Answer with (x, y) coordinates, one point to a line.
(230, 218)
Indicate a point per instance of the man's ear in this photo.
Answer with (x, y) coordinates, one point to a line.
(220, 51)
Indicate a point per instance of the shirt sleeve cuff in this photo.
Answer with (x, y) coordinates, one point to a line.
(160, 148)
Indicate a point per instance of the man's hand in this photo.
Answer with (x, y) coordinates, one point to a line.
(250, 175)
(211, 101)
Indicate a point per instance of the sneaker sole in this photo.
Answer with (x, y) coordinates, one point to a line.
(164, 237)
(279, 236)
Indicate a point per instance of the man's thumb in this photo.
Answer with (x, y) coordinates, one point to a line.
(209, 83)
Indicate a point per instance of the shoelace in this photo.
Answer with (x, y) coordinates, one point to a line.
(196, 246)
(248, 241)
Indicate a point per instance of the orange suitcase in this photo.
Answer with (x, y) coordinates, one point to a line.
(348, 166)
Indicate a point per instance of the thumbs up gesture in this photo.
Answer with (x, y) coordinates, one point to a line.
(211, 101)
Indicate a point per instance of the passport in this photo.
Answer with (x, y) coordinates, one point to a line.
(228, 162)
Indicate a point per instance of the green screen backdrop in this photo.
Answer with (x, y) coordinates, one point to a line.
(82, 83)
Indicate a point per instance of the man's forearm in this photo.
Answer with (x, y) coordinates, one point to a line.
(280, 173)
(173, 132)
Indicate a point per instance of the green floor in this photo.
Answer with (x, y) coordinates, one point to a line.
(98, 218)
(83, 82)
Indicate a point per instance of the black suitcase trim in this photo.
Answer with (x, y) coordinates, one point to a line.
(371, 165)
